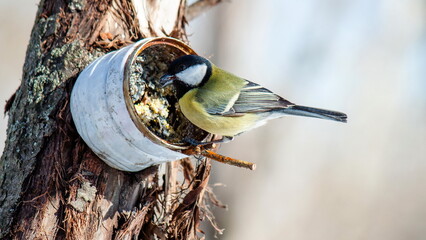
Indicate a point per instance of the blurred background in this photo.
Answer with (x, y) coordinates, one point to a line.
(315, 179)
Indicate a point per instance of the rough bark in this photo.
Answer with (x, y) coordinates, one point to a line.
(51, 184)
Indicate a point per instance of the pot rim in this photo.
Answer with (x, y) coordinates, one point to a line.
(126, 87)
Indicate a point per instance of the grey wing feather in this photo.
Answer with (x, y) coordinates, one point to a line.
(255, 98)
(216, 109)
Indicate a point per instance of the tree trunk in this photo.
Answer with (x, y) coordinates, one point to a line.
(52, 186)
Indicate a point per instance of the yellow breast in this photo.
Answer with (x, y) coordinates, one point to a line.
(216, 124)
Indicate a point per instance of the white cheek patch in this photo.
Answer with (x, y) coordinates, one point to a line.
(193, 75)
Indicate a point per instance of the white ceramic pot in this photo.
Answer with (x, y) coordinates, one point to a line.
(104, 117)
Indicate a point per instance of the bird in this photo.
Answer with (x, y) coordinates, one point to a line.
(222, 103)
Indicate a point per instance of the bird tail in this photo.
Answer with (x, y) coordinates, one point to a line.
(314, 112)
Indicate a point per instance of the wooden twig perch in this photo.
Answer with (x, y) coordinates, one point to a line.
(227, 160)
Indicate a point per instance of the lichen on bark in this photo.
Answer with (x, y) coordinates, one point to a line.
(31, 115)
(53, 61)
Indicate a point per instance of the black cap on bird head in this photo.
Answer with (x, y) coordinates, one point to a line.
(190, 71)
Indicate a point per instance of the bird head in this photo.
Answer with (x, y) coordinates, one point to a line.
(189, 70)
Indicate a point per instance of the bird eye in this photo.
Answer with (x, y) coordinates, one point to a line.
(181, 68)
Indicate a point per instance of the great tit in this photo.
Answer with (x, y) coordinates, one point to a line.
(224, 104)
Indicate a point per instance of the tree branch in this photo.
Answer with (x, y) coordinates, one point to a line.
(52, 186)
(199, 7)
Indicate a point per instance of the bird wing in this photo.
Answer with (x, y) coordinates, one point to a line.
(221, 103)
(219, 94)
(251, 98)
(255, 98)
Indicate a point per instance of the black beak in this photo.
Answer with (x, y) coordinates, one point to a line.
(167, 80)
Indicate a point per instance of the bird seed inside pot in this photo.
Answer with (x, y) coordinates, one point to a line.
(156, 106)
